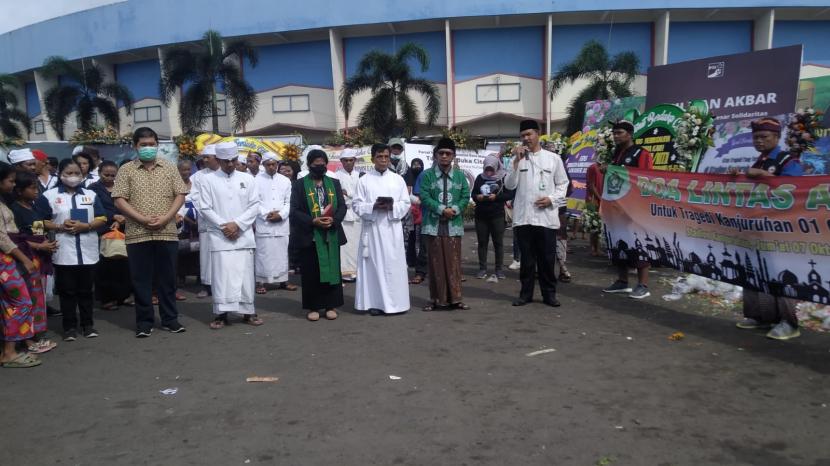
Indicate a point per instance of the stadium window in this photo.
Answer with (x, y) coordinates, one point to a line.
(37, 125)
(290, 103)
(507, 92)
(147, 114)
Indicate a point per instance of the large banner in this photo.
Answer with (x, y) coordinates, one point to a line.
(771, 234)
(736, 87)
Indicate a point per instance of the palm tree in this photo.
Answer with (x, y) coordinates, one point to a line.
(9, 114)
(608, 78)
(83, 90)
(389, 77)
(197, 74)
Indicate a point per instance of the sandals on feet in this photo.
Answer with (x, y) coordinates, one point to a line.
(261, 290)
(313, 316)
(331, 314)
(416, 280)
(288, 286)
(252, 319)
(41, 346)
(22, 360)
(219, 322)
(460, 306)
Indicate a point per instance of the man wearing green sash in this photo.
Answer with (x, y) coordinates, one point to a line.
(317, 211)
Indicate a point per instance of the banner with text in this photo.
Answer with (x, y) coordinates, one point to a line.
(771, 235)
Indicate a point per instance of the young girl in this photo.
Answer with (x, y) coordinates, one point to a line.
(75, 213)
(15, 268)
(31, 239)
(87, 166)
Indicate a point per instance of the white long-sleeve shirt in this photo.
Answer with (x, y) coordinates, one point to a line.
(540, 174)
(227, 198)
(274, 194)
(348, 183)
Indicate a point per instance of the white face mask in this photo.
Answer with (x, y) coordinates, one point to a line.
(71, 181)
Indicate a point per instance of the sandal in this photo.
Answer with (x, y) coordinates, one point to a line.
(287, 286)
(252, 319)
(261, 290)
(110, 306)
(128, 302)
(434, 307)
(180, 297)
(41, 346)
(460, 306)
(219, 322)
(331, 314)
(313, 316)
(416, 280)
(22, 360)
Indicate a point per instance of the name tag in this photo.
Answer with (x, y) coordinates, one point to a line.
(523, 169)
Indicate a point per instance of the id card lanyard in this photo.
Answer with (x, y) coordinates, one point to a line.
(542, 185)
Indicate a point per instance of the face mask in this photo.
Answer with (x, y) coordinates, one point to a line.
(417, 170)
(317, 170)
(147, 153)
(396, 157)
(71, 181)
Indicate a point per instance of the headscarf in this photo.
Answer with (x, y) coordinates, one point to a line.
(493, 161)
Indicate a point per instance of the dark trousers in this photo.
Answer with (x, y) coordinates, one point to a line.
(486, 228)
(537, 246)
(154, 263)
(73, 283)
(422, 261)
(769, 309)
(413, 246)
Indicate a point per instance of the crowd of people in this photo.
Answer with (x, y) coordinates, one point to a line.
(244, 222)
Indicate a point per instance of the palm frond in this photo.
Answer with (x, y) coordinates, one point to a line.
(380, 113)
(60, 102)
(7, 97)
(413, 50)
(86, 111)
(242, 50)
(576, 108)
(108, 110)
(409, 114)
(620, 88)
(9, 129)
(119, 92)
(625, 63)
(430, 92)
(351, 87)
(242, 96)
(212, 42)
(93, 79)
(195, 105)
(9, 80)
(17, 115)
(56, 66)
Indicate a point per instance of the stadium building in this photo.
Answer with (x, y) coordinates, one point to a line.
(489, 59)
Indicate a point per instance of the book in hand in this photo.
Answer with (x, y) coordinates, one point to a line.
(80, 215)
(328, 211)
(384, 200)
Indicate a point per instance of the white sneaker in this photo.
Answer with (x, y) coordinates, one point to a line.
(515, 265)
(493, 279)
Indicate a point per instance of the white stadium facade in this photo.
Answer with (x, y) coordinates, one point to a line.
(490, 59)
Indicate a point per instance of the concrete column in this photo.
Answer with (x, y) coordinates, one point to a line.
(450, 74)
(172, 110)
(43, 85)
(763, 30)
(661, 39)
(548, 73)
(338, 74)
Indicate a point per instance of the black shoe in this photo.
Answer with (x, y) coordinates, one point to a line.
(376, 312)
(174, 327)
(521, 302)
(553, 302)
(143, 333)
(70, 335)
(51, 311)
(90, 332)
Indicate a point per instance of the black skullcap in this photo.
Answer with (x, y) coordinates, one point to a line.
(528, 124)
(315, 154)
(624, 125)
(445, 143)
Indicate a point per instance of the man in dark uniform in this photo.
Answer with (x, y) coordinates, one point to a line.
(762, 310)
(628, 154)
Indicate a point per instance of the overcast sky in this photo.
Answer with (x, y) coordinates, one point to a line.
(19, 13)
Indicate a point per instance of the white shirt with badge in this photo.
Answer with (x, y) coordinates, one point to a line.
(539, 174)
(59, 206)
(274, 194)
(224, 198)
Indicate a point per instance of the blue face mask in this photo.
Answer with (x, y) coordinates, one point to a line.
(147, 154)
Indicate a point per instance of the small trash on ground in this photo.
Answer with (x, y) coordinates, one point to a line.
(394, 377)
(262, 379)
(536, 353)
(629, 338)
(169, 391)
(726, 294)
(677, 336)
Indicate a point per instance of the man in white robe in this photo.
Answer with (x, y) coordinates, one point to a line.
(211, 165)
(381, 201)
(229, 204)
(272, 229)
(349, 177)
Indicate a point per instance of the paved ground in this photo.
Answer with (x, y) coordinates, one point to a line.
(614, 391)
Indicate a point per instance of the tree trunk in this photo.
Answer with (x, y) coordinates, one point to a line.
(214, 111)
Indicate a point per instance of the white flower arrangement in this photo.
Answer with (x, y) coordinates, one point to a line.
(556, 142)
(693, 134)
(604, 145)
(591, 220)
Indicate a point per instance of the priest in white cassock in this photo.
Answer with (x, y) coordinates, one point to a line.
(381, 201)
(348, 177)
(211, 165)
(272, 230)
(229, 204)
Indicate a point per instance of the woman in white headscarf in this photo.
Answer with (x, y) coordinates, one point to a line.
(490, 195)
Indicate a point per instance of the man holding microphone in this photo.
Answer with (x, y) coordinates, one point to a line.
(540, 181)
